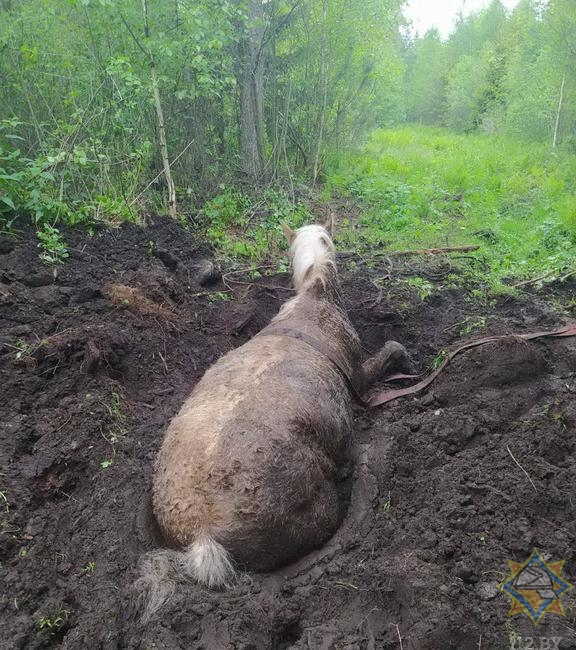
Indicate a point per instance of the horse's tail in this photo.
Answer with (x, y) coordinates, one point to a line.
(205, 560)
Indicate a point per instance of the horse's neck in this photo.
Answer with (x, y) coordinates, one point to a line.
(324, 319)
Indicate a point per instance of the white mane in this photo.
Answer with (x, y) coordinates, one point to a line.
(313, 255)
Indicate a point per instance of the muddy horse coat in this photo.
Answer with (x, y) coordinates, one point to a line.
(247, 472)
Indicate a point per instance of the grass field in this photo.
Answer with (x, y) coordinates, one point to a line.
(423, 188)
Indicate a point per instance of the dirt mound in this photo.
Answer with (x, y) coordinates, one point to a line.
(95, 360)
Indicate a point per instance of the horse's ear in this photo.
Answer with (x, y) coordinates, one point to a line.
(288, 232)
(328, 225)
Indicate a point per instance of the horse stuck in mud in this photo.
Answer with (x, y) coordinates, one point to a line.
(247, 474)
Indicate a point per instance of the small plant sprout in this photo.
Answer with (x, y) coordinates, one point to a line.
(117, 428)
(438, 359)
(106, 463)
(89, 569)
(22, 347)
(557, 416)
(53, 246)
(471, 324)
(218, 296)
(54, 623)
(386, 503)
(423, 287)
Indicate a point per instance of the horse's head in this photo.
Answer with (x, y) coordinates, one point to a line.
(312, 254)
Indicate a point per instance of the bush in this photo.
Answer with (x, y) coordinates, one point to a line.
(246, 228)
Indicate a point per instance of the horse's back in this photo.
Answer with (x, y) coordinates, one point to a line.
(252, 453)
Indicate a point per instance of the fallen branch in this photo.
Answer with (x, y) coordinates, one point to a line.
(422, 251)
(533, 280)
(543, 277)
(435, 251)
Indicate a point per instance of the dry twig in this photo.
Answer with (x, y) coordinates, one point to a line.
(520, 466)
(399, 637)
(436, 251)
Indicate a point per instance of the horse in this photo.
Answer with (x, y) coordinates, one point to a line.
(247, 473)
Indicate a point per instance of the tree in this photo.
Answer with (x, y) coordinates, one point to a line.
(160, 117)
(256, 88)
(251, 67)
(560, 29)
(426, 79)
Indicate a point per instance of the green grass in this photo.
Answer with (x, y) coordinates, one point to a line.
(425, 188)
(246, 229)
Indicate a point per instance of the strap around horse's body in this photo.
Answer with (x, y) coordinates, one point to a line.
(383, 397)
(337, 360)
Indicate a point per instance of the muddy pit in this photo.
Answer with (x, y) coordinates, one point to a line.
(445, 487)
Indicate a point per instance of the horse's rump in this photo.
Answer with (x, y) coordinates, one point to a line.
(252, 448)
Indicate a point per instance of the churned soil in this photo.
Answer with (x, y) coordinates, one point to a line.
(445, 487)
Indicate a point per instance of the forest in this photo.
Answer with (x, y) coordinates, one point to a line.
(111, 108)
(157, 160)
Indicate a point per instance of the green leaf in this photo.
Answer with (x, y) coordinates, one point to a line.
(8, 201)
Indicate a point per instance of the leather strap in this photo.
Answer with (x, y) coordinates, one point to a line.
(319, 346)
(383, 397)
(386, 396)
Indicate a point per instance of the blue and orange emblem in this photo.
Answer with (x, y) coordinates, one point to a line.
(536, 587)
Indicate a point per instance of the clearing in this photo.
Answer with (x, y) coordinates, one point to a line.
(446, 486)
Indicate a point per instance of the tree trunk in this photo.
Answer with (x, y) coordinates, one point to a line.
(160, 119)
(251, 81)
(324, 91)
(558, 112)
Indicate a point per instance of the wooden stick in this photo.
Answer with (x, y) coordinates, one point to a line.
(520, 466)
(436, 251)
(533, 280)
(423, 251)
(398, 633)
(543, 277)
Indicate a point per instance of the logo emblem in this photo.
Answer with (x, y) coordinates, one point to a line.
(536, 587)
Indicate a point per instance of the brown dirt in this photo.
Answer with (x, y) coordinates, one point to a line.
(97, 358)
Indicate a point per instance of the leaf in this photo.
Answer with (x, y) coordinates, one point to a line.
(8, 201)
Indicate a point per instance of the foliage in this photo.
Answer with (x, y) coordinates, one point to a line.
(242, 228)
(294, 83)
(422, 286)
(426, 188)
(80, 138)
(53, 247)
(55, 622)
(89, 568)
(499, 71)
(51, 187)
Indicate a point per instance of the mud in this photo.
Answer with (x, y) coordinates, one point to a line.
(446, 487)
